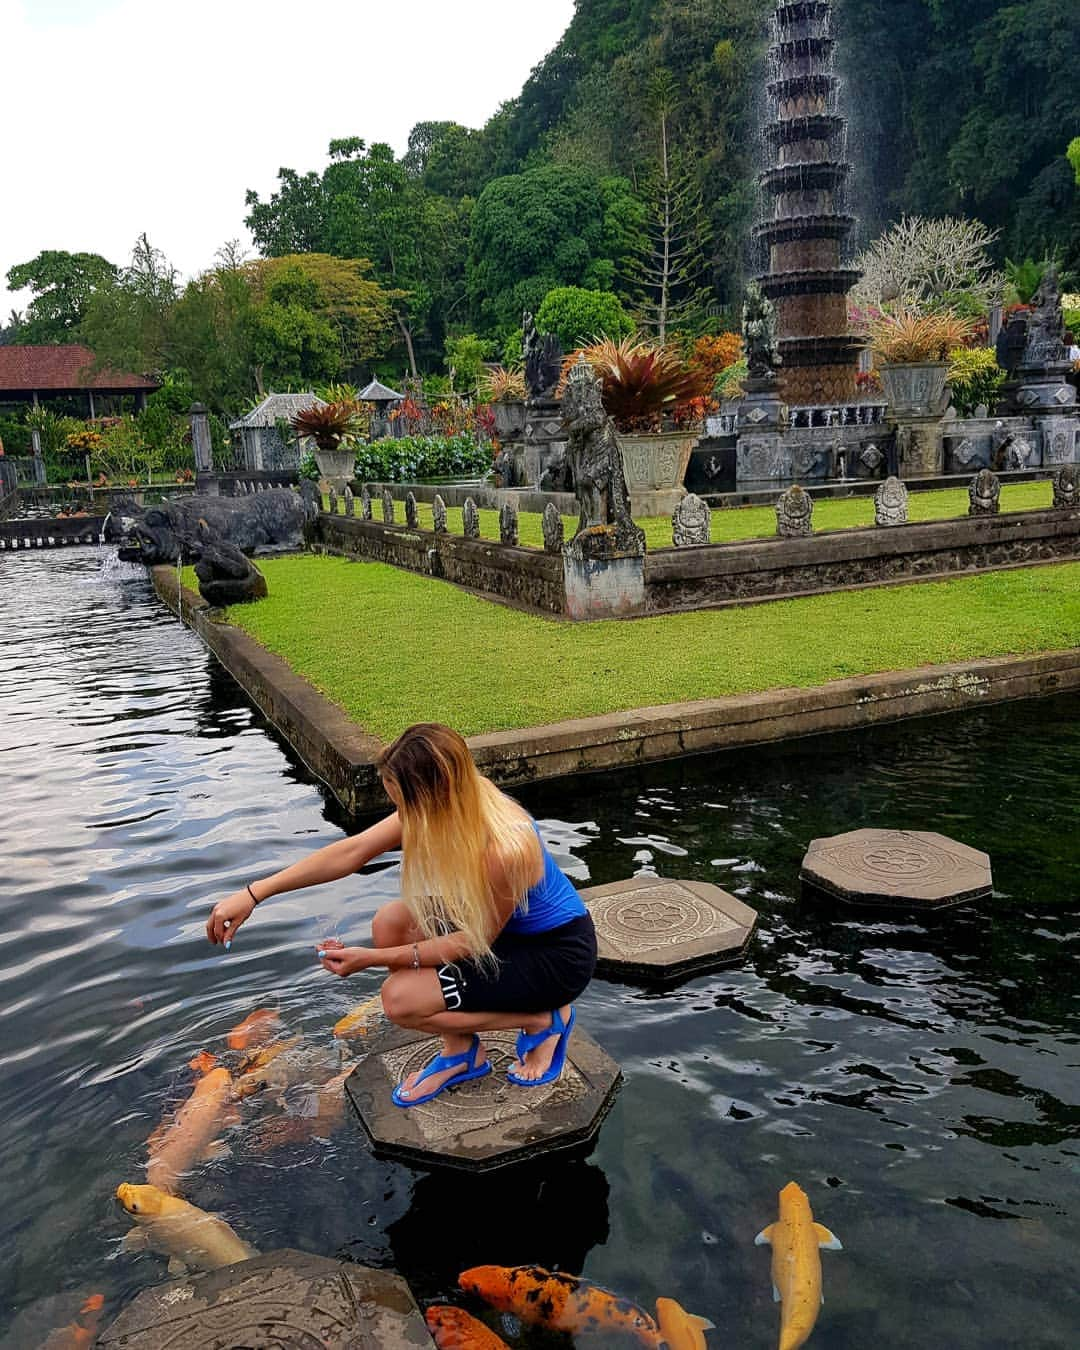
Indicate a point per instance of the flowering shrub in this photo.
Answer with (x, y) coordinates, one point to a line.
(974, 377)
(84, 440)
(729, 382)
(410, 459)
(716, 354)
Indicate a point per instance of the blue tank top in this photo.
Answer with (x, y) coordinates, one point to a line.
(550, 903)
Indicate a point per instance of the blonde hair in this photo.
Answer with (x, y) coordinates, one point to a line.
(452, 818)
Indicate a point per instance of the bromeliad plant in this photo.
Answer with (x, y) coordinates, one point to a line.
(644, 386)
(330, 425)
(906, 337)
(503, 384)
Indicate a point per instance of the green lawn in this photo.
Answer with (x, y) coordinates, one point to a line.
(393, 648)
(755, 522)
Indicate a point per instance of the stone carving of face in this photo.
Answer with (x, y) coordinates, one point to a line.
(582, 408)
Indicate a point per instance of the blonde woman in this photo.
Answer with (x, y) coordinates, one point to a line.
(489, 934)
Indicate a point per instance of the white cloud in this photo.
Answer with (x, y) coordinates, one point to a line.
(122, 116)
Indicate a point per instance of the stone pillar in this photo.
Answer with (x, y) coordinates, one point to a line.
(200, 438)
(921, 446)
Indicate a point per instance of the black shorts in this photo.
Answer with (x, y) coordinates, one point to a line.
(534, 972)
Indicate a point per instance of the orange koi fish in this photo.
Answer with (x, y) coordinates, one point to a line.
(559, 1302)
(256, 1029)
(454, 1329)
(283, 1131)
(361, 1020)
(81, 1333)
(192, 1133)
(681, 1330)
(796, 1265)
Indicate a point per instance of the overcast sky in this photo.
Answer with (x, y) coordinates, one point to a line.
(127, 115)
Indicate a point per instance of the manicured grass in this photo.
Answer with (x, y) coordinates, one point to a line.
(755, 522)
(393, 648)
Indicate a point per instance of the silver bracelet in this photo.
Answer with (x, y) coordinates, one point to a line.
(415, 957)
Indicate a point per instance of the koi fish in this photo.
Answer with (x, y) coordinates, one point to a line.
(454, 1329)
(189, 1237)
(287, 1064)
(361, 1020)
(192, 1134)
(81, 1333)
(559, 1302)
(681, 1330)
(256, 1029)
(300, 1127)
(796, 1264)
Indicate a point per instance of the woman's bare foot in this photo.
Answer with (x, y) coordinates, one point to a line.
(452, 1045)
(537, 1062)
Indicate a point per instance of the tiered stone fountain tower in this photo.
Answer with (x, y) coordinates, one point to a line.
(803, 228)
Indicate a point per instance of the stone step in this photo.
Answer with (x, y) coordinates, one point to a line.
(905, 868)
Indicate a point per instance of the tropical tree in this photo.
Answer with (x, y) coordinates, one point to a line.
(126, 322)
(577, 316)
(62, 284)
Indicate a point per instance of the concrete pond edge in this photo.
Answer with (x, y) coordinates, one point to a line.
(343, 754)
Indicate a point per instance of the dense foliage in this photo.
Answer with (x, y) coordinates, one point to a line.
(577, 316)
(411, 459)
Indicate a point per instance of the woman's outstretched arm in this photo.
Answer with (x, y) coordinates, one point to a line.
(331, 863)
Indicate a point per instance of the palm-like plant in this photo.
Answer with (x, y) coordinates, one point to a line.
(910, 337)
(504, 384)
(328, 425)
(643, 383)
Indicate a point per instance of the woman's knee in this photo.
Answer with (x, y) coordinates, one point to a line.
(393, 925)
(400, 1001)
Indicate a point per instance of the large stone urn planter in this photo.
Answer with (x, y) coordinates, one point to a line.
(509, 420)
(654, 467)
(336, 467)
(915, 389)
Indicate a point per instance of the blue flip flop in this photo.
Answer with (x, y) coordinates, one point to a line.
(527, 1042)
(438, 1065)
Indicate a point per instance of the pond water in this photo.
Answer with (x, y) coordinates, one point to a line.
(918, 1079)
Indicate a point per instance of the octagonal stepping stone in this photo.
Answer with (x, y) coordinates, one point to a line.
(897, 867)
(286, 1298)
(661, 930)
(489, 1122)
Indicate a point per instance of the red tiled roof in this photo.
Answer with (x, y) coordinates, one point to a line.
(23, 369)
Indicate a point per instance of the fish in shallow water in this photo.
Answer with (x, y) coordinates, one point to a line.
(681, 1330)
(796, 1241)
(192, 1134)
(361, 1020)
(317, 1116)
(559, 1302)
(454, 1329)
(256, 1029)
(289, 1064)
(188, 1236)
(82, 1332)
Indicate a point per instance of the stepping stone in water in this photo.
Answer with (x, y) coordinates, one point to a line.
(489, 1122)
(660, 930)
(897, 867)
(283, 1298)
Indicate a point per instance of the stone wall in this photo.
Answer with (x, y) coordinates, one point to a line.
(525, 578)
(486, 498)
(717, 574)
(48, 533)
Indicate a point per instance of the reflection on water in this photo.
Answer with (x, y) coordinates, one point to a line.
(918, 1078)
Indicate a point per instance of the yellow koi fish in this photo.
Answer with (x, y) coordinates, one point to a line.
(361, 1020)
(681, 1330)
(188, 1236)
(796, 1264)
(192, 1134)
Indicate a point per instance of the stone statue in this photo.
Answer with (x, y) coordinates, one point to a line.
(165, 533)
(984, 492)
(891, 503)
(553, 529)
(596, 463)
(691, 522)
(1046, 327)
(1010, 450)
(438, 512)
(350, 502)
(795, 514)
(505, 472)
(543, 361)
(331, 498)
(1067, 487)
(759, 334)
(412, 516)
(508, 524)
(365, 503)
(387, 507)
(470, 519)
(557, 476)
(226, 576)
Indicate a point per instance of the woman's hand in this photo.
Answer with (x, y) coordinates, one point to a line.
(339, 960)
(227, 916)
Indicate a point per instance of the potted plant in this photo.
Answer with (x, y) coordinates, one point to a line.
(657, 400)
(333, 429)
(504, 388)
(911, 353)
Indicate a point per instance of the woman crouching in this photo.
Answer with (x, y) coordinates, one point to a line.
(489, 933)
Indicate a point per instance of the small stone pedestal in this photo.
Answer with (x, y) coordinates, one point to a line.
(906, 868)
(287, 1298)
(921, 447)
(489, 1122)
(657, 930)
(603, 580)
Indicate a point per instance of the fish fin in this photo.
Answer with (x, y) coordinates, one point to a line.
(176, 1267)
(764, 1238)
(136, 1240)
(217, 1148)
(775, 1294)
(826, 1239)
(702, 1323)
